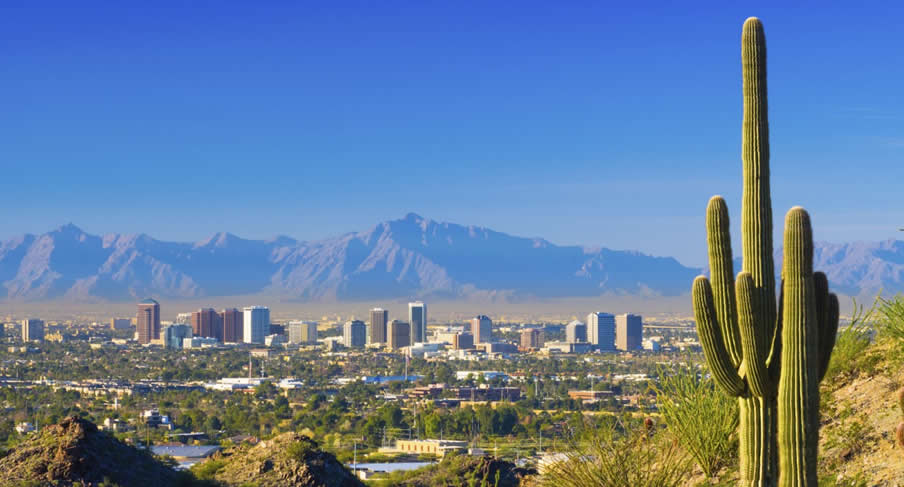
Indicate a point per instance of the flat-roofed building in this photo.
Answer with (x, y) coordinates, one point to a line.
(174, 334)
(302, 332)
(576, 332)
(628, 332)
(120, 324)
(601, 330)
(354, 334)
(256, 322)
(32, 330)
(463, 341)
(531, 339)
(431, 447)
(148, 321)
(232, 321)
(399, 334)
(417, 317)
(482, 329)
(205, 323)
(379, 319)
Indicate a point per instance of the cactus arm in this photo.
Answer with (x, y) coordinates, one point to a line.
(798, 390)
(718, 237)
(754, 340)
(828, 334)
(717, 357)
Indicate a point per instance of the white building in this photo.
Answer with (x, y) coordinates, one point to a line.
(417, 318)
(601, 328)
(256, 321)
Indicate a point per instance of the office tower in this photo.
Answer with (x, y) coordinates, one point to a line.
(183, 319)
(463, 341)
(482, 329)
(256, 322)
(399, 334)
(417, 317)
(628, 332)
(206, 323)
(148, 321)
(601, 328)
(32, 330)
(120, 324)
(174, 334)
(379, 317)
(576, 332)
(532, 339)
(303, 332)
(232, 321)
(354, 334)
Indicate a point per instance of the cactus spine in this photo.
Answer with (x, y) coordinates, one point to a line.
(739, 324)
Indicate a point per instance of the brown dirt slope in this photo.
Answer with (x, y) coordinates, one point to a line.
(74, 451)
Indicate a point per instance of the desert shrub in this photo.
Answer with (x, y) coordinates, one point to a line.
(702, 418)
(852, 342)
(624, 455)
(207, 470)
(891, 317)
(851, 431)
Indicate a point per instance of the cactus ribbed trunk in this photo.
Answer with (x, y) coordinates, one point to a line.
(758, 456)
(798, 390)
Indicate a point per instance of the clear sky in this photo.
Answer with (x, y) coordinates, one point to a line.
(595, 123)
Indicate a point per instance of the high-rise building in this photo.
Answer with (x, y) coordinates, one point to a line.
(531, 339)
(399, 334)
(148, 321)
(417, 317)
(120, 324)
(379, 318)
(256, 323)
(482, 329)
(354, 334)
(32, 330)
(601, 328)
(174, 334)
(628, 332)
(576, 332)
(183, 319)
(232, 321)
(206, 323)
(463, 341)
(303, 332)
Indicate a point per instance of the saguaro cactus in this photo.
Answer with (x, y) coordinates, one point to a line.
(738, 321)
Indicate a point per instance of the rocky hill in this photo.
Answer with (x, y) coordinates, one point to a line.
(288, 460)
(74, 452)
(458, 470)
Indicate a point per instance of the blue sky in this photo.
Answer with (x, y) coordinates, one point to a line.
(581, 122)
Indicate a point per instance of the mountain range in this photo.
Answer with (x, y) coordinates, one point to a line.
(412, 257)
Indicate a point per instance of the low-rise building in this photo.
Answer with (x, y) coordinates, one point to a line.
(431, 447)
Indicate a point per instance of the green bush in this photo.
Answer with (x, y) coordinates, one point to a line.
(891, 317)
(702, 418)
(851, 342)
(627, 456)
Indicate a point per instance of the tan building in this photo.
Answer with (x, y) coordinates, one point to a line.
(531, 339)
(628, 332)
(120, 324)
(399, 334)
(205, 323)
(482, 329)
(148, 321)
(431, 447)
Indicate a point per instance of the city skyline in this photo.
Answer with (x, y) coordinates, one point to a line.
(552, 125)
